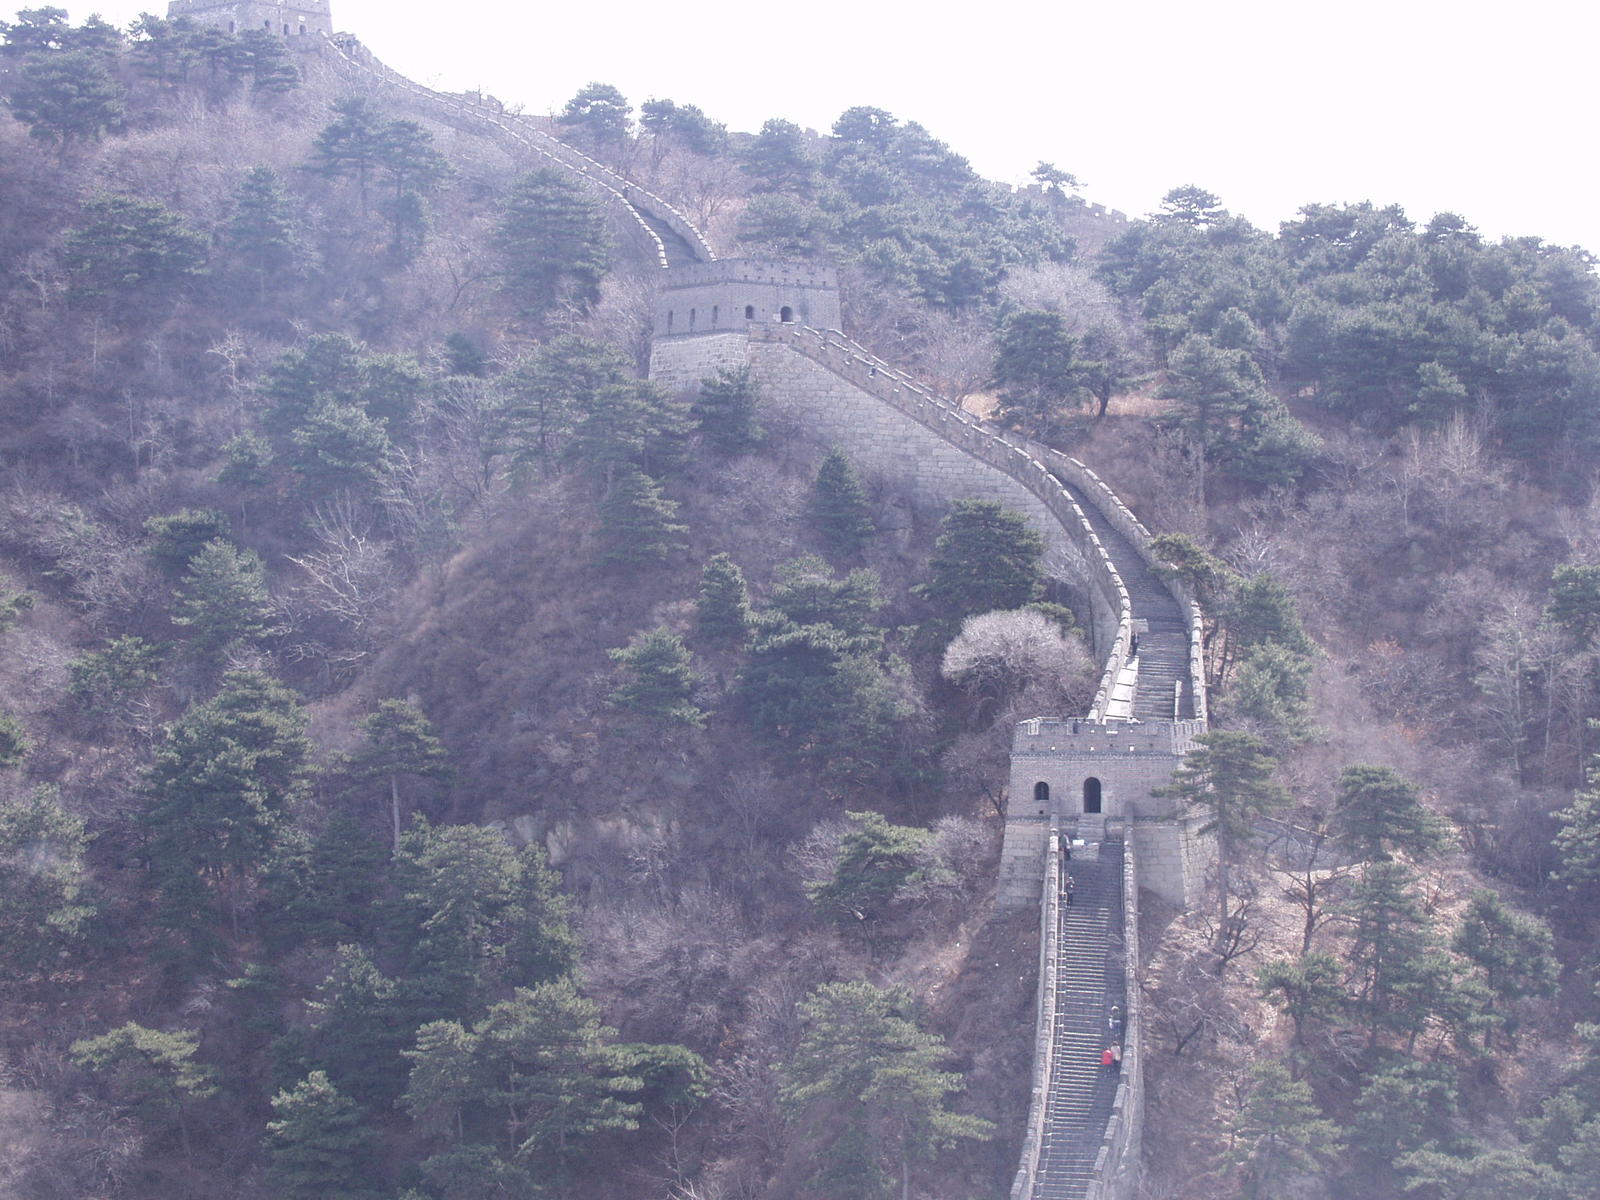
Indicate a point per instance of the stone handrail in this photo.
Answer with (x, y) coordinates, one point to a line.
(1130, 527)
(997, 447)
(619, 189)
(1044, 1047)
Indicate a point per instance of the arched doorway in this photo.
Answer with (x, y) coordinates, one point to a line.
(1091, 795)
(749, 312)
(786, 314)
(1041, 794)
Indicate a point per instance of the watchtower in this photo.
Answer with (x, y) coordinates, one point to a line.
(283, 18)
(726, 295)
(1082, 775)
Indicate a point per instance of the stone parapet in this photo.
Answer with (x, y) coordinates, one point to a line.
(636, 203)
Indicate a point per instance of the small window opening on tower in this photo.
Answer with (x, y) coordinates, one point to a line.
(1041, 792)
(302, 29)
(669, 320)
(267, 24)
(786, 314)
(233, 27)
(1091, 795)
(749, 312)
(691, 318)
(716, 309)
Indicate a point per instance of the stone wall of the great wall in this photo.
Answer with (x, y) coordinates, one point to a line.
(886, 444)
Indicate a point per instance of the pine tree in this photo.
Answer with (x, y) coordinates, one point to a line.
(987, 558)
(446, 1076)
(1272, 693)
(806, 592)
(318, 1144)
(726, 409)
(876, 861)
(176, 538)
(152, 1074)
(1578, 839)
(400, 744)
(1038, 373)
(223, 600)
(552, 242)
(266, 59)
(1402, 973)
(217, 795)
(14, 743)
(1307, 990)
(722, 613)
(1279, 1132)
(1229, 777)
(838, 506)
(125, 245)
(1515, 952)
(1378, 813)
(860, 1055)
(323, 890)
(361, 1029)
(1403, 1106)
(660, 679)
(262, 235)
(597, 117)
(470, 913)
(338, 447)
(636, 523)
(43, 878)
(1261, 612)
(67, 98)
(559, 1081)
(351, 144)
(819, 692)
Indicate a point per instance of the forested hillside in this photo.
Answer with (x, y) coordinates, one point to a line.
(437, 762)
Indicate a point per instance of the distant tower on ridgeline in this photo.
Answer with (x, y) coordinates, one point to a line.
(290, 19)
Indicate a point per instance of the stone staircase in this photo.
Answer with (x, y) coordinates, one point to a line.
(1163, 658)
(1090, 979)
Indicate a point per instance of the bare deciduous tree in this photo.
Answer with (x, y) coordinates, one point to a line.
(350, 575)
(1001, 655)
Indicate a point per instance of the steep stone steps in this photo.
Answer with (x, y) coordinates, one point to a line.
(1163, 657)
(1090, 978)
(675, 247)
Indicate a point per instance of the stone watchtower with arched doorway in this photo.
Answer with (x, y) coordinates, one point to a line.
(726, 295)
(290, 18)
(1084, 775)
(705, 312)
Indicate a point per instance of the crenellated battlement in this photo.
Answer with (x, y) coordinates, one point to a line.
(731, 293)
(290, 19)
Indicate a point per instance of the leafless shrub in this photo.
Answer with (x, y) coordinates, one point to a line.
(669, 965)
(350, 575)
(1007, 654)
(956, 353)
(106, 570)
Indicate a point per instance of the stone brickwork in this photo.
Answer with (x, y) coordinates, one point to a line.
(1082, 773)
(1174, 857)
(728, 294)
(295, 18)
(930, 452)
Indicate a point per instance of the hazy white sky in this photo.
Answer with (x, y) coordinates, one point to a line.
(1486, 111)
